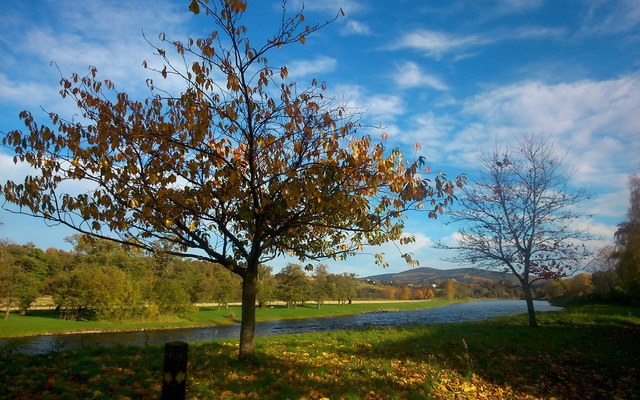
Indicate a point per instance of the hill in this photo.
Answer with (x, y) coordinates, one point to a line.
(420, 275)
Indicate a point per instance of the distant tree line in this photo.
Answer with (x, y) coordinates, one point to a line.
(99, 279)
(615, 271)
(450, 289)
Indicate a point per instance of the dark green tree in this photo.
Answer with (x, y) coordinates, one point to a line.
(95, 291)
(603, 271)
(293, 285)
(18, 288)
(346, 286)
(628, 241)
(323, 287)
(267, 284)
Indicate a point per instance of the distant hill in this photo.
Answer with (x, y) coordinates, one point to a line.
(425, 274)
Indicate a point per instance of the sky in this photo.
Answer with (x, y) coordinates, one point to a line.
(457, 77)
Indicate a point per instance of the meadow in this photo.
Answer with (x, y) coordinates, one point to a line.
(589, 352)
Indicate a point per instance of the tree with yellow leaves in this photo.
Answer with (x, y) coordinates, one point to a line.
(235, 170)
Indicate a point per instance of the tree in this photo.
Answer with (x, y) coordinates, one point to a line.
(628, 241)
(346, 286)
(449, 288)
(555, 288)
(603, 270)
(323, 287)
(293, 285)
(519, 217)
(242, 167)
(18, 288)
(220, 285)
(22, 271)
(389, 292)
(429, 294)
(171, 298)
(267, 283)
(405, 294)
(91, 290)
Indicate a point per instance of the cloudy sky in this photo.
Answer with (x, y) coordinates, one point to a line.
(456, 77)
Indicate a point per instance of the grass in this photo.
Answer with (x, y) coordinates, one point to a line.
(582, 353)
(47, 322)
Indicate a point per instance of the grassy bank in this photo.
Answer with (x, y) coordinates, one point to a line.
(582, 353)
(47, 322)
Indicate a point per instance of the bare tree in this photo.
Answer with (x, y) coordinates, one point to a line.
(519, 217)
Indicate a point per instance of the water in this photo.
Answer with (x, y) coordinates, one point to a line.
(473, 311)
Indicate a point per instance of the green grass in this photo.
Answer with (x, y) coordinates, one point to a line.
(582, 353)
(47, 322)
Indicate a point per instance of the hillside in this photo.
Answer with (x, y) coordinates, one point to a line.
(426, 274)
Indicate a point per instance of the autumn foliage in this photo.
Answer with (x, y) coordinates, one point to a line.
(241, 167)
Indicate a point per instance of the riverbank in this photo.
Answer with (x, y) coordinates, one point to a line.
(46, 322)
(588, 353)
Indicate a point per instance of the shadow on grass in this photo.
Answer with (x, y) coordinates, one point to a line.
(53, 314)
(502, 358)
(568, 360)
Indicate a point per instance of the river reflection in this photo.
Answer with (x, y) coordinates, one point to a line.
(473, 311)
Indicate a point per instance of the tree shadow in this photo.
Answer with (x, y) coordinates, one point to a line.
(566, 361)
(49, 313)
(570, 360)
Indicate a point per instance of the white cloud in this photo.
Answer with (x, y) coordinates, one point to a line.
(102, 34)
(436, 44)
(419, 250)
(613, 204)
(409, 75)
(13, 172)
(303, 68)
(534, 32)
(356, 28)
(23, 93)
(595, 121)
(605, 17)
(518, 6)
(380, 108)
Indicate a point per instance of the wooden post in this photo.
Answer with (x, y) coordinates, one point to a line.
(174, 376)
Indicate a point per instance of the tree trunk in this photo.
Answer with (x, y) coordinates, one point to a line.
(248, 323)
(530, 310)
(6, 313)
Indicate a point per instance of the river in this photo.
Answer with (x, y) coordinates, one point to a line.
(472, 311)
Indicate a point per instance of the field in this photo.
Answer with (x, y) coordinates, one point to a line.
(582, 353)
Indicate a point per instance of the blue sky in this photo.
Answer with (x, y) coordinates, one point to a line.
(455, 76)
